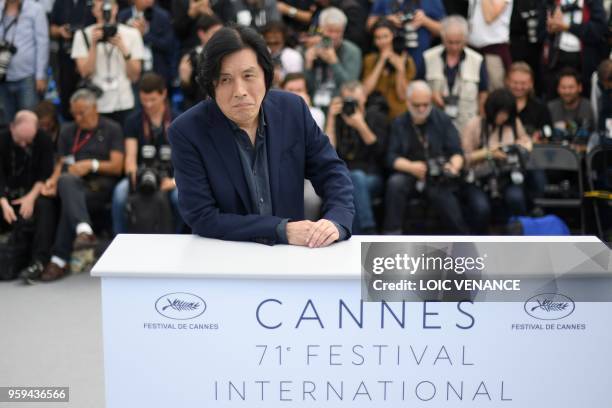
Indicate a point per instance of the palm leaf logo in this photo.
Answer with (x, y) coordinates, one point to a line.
(180, 305)
(550, 306)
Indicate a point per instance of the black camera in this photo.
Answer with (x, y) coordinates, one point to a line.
(407, 17)
(153, 169)
(531, 23)
(349, 106)
(7, 50)
(493, 175)
(408, 33)
(326, 42)
(109, 29)
(437, 172)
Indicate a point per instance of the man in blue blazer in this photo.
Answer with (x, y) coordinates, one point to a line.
(240, 157)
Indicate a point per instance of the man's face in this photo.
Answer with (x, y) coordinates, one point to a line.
(24, 132)
(419, 105)
(152, 102)
(275, 41)
(297, 86)
(241, 87)
(520, 84)
(335, 32)
(569, 89)
(454, 42)
(85, 114)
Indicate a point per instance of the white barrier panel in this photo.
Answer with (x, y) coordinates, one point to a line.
(257, 339)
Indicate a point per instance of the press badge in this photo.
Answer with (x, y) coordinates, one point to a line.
(451, 106)
(322, 97)
(69, 160)
(110, 84)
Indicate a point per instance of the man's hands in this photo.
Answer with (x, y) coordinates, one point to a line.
(555, 22)
(80, 168)
(7, 211)
(312, 234)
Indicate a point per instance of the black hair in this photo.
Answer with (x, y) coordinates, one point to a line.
(292, 76)
(206, 22)
(569, 72)
(224, 42)
(384, 23)
(500, 100)
(275, 27)
(152, 82)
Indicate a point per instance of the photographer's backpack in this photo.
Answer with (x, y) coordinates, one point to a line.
(14, 250)
(149, 213)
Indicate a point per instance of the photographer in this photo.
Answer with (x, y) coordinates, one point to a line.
(577, 32)
(571, 114)
(206, 27)
(91, 159)
(24, 56)
(110, 55)
(26, 161)
(486, 142)
(255, 13)
(388, 70)
(67, 17)
(146, 127)
(456, 73)
(288, 59)
(418, 20)
(153, 23)
(359, 135)
(331, 60)
(420, 141)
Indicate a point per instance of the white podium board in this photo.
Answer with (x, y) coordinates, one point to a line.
(193, 322)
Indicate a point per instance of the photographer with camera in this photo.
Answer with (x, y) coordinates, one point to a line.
(26, 161)
(571, 114)
(255, 13)
(417, 20)
(90, 151)
(67, 17)
(330, 60)
(155, 27)
(388, 70)
(359, 135)
(496, 148)
(425, 157)
(146, 140)
(577, 31)
(456, 73)
(109, 55)
(24, 56)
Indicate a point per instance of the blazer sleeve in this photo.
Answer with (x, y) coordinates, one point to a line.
(328, 174)
(197, 203)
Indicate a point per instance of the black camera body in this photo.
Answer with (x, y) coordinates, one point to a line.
(349, 106)
(436, 171)
(109, 29)
(153, 169)
(326, 42)
(7, 50)
(493, 175)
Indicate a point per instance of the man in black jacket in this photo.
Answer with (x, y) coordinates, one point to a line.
(26, 161)
(421, 138)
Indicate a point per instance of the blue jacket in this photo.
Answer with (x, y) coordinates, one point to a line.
(213, 194)
(159, 38)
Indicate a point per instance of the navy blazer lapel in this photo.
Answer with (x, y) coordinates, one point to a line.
(274, 124)
(221, 134)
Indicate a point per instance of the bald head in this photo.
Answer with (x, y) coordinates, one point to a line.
(419, 101)
(24, 127)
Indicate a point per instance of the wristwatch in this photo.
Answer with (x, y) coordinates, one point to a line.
(292, 12)
(95, 165)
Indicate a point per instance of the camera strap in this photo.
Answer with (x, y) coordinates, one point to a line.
(422, 138)
(78, 143)
(147, 125)
(6, 29)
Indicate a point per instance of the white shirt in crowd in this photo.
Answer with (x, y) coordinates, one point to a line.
(483, 34)
(291, 61)
(110, 73)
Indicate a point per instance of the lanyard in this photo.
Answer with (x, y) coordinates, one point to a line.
(78, 143)
(147, 125)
